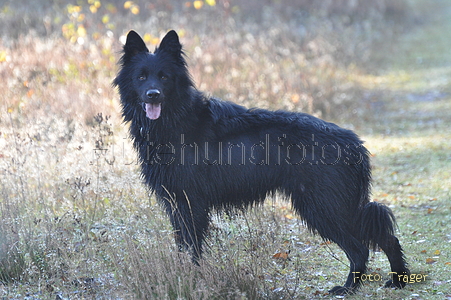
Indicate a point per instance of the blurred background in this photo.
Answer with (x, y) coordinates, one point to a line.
(297, 55)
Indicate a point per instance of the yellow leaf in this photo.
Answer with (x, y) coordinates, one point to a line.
(93, 9)
(97, 4)
(181, 32)
(155, 41)
(2, 56)
(105, 19)
(72, 9)
(81, 18)
(437, 252)
(147, 37)
(81, 31)
(128, 4)
(198, 4)
(135, 9)
(289, 216)
(211, 2)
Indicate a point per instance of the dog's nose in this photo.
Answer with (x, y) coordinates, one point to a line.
(153, 94)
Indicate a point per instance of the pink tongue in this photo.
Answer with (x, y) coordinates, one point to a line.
(153, 111)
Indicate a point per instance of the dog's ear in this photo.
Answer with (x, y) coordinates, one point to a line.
(171, 44)
(134, 45)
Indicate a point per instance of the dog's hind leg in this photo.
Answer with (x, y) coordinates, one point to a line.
(332, 226)
(377, 227)
(393, 250)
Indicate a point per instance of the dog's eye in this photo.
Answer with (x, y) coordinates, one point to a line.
(142, 78)
(163, 77)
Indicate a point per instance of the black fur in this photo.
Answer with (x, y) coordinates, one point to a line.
(199, 153)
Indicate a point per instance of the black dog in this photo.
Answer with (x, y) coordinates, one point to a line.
(199, 153)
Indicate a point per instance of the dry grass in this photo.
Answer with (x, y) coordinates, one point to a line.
(75, 220)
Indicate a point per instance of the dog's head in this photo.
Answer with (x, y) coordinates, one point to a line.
(151, 80)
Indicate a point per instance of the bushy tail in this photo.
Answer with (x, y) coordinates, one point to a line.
(377, 224)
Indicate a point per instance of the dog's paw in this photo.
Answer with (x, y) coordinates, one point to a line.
(394, 284)
(341, 290)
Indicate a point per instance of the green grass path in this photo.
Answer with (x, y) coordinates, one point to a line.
(411, 144)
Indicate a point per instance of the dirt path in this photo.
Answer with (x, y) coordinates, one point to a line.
(418, 75)
(411, 142)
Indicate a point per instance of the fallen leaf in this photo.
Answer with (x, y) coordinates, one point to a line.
(289, 216)
(281, 255)
(430, 261)
(437, 252)
(326, 243)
